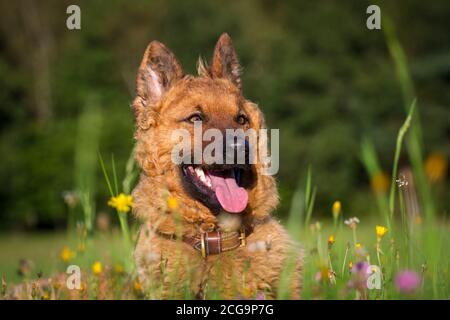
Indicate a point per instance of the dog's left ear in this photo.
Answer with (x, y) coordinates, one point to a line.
(225, 63)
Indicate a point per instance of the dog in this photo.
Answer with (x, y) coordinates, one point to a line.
(206, 228)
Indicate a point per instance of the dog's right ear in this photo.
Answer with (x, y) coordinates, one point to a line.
(158, 71)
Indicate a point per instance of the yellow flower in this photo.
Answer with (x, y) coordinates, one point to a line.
(122, 202)
(324, 273)
(137, 285)
(380, 231)
(331, 240)
(118, 268)
(246, 292)
(336, 209)
(172, 203)
(97, 268)
(67, 254)
(350, 265)
(436, 166)
(358, 246)
(380, 182)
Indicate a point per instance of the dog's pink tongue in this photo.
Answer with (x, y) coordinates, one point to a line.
(231, 197)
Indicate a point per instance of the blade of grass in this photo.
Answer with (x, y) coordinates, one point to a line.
(310, 207)
(113, 164)
(401, 133)
(370, 161)
(105, 174)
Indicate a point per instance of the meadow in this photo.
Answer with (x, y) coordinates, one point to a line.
(372, 224)
(401, 254)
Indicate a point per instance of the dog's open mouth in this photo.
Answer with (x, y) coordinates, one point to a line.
(218, 186)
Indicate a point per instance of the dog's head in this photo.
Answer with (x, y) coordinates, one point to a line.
(169, 101)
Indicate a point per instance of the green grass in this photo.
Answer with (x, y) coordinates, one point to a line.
(43, 250)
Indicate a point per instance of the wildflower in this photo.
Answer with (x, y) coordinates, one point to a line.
(436, 166)
(118, 268)
(350, 265)
(246, 292)
(358, 246)
(360, 267)
(172, 203)
(352, 222)
(380, 182)
(318, 276)
(402, 181)
(137, 286)
(67, 254)
(359, 278)
(336, 209)
(71, 198)
(380, 231)
(331, 240)
(97, 268)
(407, 281)
(25, 267)
(324, 273)
(260, 296)
(122, 202)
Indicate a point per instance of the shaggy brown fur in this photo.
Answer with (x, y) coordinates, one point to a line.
(164, 95)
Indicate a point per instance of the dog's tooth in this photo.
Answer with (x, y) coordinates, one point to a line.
(208, 181)
(200, 173)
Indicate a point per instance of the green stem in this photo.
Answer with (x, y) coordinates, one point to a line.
(401, 134)
(345, 261)
(126, 235)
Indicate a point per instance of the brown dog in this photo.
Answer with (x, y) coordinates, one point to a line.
(207, 230)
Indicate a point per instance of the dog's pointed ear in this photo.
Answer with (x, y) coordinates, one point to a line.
(225, 63)
(158, 71)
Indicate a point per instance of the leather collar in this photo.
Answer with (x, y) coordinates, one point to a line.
(214, 242)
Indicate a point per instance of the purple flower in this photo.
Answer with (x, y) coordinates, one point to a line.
(407, 281)
(260, 296)
(359, 277)
(360, 268)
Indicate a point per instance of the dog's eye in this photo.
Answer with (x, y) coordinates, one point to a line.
(195, 117)
(241, 119)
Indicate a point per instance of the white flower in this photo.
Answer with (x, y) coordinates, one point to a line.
(352, 222)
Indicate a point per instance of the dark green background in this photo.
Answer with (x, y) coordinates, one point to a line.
(314, 68)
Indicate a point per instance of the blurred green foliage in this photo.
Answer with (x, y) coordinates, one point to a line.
(313, 67)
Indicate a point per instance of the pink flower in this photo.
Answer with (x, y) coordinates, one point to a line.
(360, 268)
(407, 281)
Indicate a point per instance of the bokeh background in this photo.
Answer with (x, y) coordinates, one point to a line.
(317, 72)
